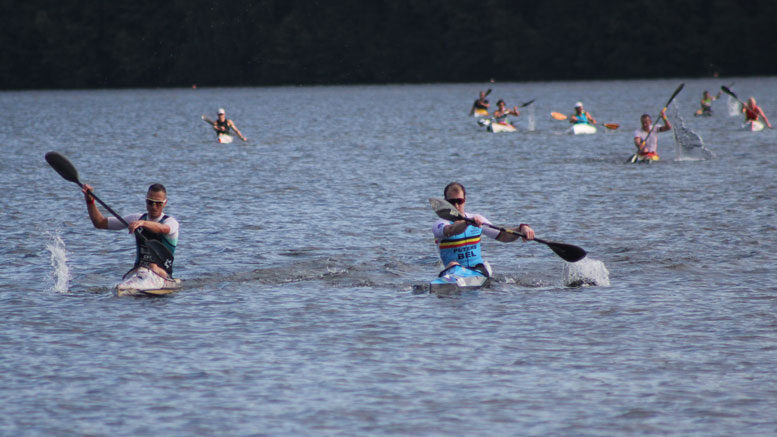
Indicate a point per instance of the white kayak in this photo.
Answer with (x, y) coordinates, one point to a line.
(225, 138)
(457, 279)
(582, 129)
(500, 127)
(142, 281)
(753, 126)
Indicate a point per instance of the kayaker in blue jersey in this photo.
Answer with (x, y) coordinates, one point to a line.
(581, 116)
(154, 223)
(222, 125)
(501, 113)
(459, 241)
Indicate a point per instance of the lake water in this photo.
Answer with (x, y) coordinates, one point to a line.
(303, 253)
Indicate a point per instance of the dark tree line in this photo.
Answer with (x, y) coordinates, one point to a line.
(117, 43)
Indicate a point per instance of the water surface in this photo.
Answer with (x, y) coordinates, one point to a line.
(301, 250)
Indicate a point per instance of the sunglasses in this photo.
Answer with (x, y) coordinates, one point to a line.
(455, 201)
(152, 202)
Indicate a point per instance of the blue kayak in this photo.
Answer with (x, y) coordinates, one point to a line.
(457, 279)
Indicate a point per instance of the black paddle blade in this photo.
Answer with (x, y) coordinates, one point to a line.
(528, 103)
(161, 254)
(64, 167)
(567, 252)
(445, 210)
(729, 92)
(674, 94)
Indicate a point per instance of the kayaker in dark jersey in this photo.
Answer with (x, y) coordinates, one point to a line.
(154, 223)
(581, 116)
(459, 241)
(480, 107)
(706, 104)
(753, 112)
(222, 125)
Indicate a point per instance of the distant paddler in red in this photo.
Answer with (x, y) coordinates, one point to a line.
(648, 150)
(222, 125)
(753, 112)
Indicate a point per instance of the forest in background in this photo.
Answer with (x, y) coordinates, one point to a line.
(105, 44)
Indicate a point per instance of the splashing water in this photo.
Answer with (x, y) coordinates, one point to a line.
(733, 107)
(61, 272)
(586, 272)
(688, 145)
(531, 119)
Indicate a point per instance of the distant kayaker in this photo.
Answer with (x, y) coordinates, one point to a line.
(480, 107)
(154, 224)
(581, 116)
(459, 241)
(753, 112)
(222, 125)
(649, 149)
(501, 113)
(706, 104)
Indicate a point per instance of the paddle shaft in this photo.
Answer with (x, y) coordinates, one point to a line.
(446, 211)
(566, 251)
(509, 231)
(115, 214)
(559, 116)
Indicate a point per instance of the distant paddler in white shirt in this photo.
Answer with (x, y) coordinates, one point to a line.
(581, 116)
(481, 105)
(646, 137)
(502, 112)
(154, 224)
(706, 104)
(222, 125)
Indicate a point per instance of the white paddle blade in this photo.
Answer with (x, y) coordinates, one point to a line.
(444, 209)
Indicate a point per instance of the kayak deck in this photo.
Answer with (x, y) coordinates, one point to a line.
(457, 279)
(500, 127)
(583, 129)
(143, 281)
(225, 138)
(753, 126)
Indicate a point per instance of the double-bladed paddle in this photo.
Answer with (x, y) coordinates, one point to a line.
(634, 157)
(731, 93)
(568, 252)
(560, 116)
(65, 168)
